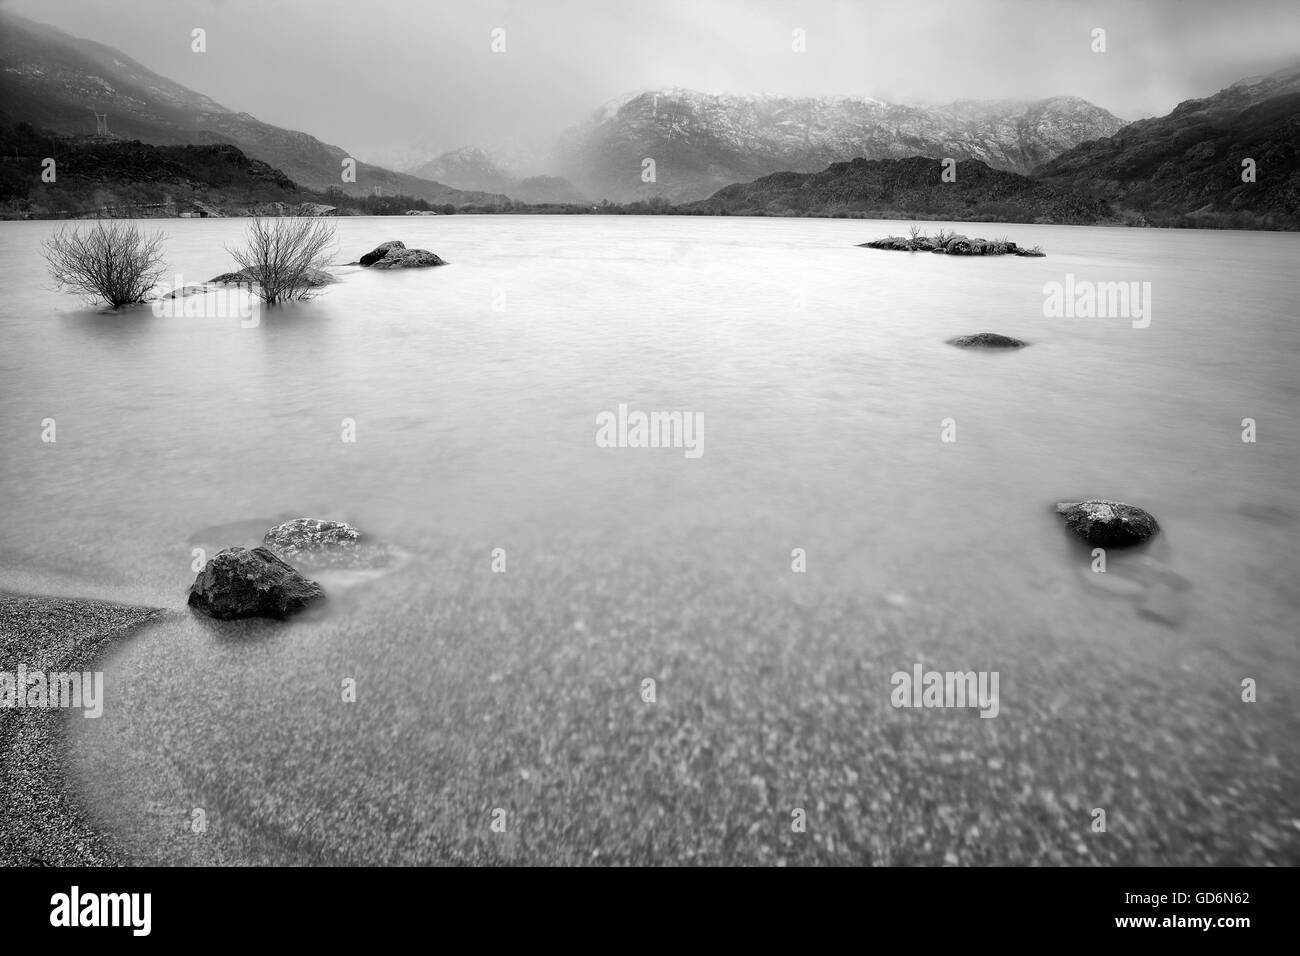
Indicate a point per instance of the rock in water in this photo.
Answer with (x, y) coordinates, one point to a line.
(953, 245)
(320, 547)
(1110, 524)
(381, 250)
(312, 538)
(314, 278)
(409, 259)
(243, 583)
(987, 340)
(394, 255)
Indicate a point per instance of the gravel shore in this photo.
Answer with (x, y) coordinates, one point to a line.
(40, 825)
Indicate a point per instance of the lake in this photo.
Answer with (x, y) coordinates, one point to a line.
(820, 374)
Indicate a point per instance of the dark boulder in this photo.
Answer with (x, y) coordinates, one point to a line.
(964, 246)
(394, 255)
(1109, 524)
(409, 259)
(243, 583)
(381, 250)
(987, 340)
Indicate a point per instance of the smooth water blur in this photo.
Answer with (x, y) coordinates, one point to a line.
(819, 368)
(821, 372)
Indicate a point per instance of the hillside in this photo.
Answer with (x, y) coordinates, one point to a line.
(1186, 168)
(57, 81)
(905, 188)
(101, 174)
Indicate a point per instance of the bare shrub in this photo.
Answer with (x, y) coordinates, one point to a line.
(113, 261)
(286, 258)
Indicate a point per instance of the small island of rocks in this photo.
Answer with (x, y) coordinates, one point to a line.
(953, 244)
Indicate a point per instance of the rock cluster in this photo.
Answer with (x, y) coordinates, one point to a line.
(953, 245)
(260, 582)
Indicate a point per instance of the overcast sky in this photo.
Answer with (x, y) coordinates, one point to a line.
(381, 77)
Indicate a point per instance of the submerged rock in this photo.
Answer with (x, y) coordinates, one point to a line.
(315, 278)
(1110, 524)
(987, 340)
(409, 259)
(243, 583)
(318, 544)
(395, 255)
(311, 535)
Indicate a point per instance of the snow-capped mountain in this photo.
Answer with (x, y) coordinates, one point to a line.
(469, 164)
(701, 142)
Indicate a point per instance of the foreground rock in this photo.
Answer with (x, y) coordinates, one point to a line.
(953, 245)
(1109, 524)
(243, 583)
(987, 340)
(395, 255)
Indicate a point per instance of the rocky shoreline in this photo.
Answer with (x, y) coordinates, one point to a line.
(40, 822)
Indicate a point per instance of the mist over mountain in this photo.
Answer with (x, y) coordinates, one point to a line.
(473, 168)
(467, 168)
(59, 82)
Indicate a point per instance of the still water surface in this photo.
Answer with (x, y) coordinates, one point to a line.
(822, 377)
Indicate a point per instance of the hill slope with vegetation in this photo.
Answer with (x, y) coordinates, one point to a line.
(905, 189)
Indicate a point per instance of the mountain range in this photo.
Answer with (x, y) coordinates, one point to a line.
(701, 142)
(1184, 169)
(1058, 159)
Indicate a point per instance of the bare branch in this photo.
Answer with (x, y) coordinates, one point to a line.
(286, 258)
(113, 261)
